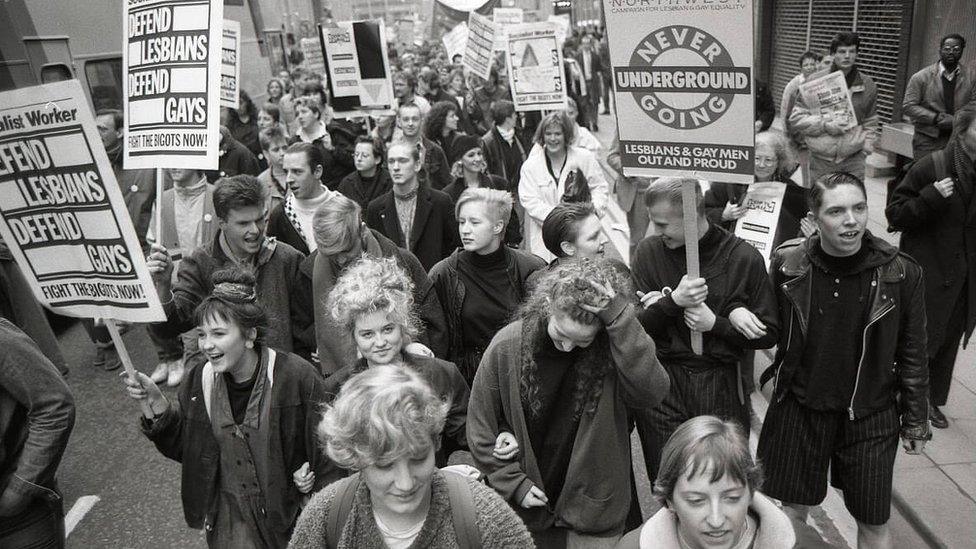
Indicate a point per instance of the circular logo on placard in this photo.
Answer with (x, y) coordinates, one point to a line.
(683, 77)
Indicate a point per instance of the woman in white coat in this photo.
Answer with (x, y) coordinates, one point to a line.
(544, 176)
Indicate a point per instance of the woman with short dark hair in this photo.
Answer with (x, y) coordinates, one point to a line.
(244, 428)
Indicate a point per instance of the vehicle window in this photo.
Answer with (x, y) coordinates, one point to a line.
(105, 83)
(55, 73)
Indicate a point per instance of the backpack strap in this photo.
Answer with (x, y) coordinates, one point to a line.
(463, 513)
(341, 508)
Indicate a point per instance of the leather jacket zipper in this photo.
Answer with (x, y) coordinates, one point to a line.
(864, 350)
(779, 369)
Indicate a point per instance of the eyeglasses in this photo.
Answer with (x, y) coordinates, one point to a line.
(953, 49)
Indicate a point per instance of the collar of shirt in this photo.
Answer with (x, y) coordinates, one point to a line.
(191, 190)
(943, 73)
(320, 131)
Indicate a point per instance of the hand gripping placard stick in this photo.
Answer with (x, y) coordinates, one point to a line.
(689, 196)
(113, 329)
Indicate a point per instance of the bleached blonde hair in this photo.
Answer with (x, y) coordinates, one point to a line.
(374, 284)
(381, 415)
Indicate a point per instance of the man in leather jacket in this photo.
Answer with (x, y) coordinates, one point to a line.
(851, 373)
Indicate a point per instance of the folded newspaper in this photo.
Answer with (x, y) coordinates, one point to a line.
(829, 97)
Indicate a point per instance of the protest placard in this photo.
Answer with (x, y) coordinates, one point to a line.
(277, 54)
(312, 50)
(455, 40)
(683, 85)
(230, 64)
(829, 97)
(503, 19)
(360, 79)
(481, 40)
(171, 61)
(405, 33)
(758, 227)
(535, 62)
(61, 210)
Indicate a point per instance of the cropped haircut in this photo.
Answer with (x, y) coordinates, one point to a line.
(313, 154)
(236, 192)
(706, 445)
(562, 224)
(379, 150)
(845, 38)
(953, 36)
(373, 284)
(809, 55)
(411, 105)
(382, 414)
(408, 77)
(827, 182)
(498, 203)
(414, 149)
(310, 103)
(118, 118)
(234, 299)
(501, 110)
(336, 224)
(269, 136)
(668, 189)
(273, 111)
(556, 118)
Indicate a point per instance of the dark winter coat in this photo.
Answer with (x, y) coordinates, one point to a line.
(893, 366)
(435, 233)
(940, 233)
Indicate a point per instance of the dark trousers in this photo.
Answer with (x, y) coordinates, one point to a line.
(607, 90)
(694, 392)
(39, 526)
(943, 360)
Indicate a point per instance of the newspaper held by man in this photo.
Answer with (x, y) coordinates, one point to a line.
(829, 96)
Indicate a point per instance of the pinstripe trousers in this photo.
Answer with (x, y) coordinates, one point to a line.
(798, 445)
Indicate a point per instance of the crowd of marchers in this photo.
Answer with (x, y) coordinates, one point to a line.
(410, 330)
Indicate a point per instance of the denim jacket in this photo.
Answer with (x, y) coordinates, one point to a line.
(37, 413)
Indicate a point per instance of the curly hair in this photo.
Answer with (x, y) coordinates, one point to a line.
(382, 414)
(785, 159)
(436, 119)
(562, 290)
(369, 285)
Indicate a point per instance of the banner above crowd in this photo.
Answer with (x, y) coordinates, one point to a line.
(481, 41)
(171, 60)
(61, 210)
(683, 88)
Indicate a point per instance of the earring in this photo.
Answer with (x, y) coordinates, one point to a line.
(249, 344)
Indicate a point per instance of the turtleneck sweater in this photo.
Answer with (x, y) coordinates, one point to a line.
(489, 298)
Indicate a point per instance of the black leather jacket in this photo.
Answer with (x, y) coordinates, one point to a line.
(893, 364)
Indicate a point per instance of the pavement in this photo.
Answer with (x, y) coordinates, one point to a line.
(934, 497)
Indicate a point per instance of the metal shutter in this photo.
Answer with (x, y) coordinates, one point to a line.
(883, 26)
(789, 42)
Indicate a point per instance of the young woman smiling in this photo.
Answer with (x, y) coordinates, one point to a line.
(373, 302)
(244, 429)
(386, 425)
